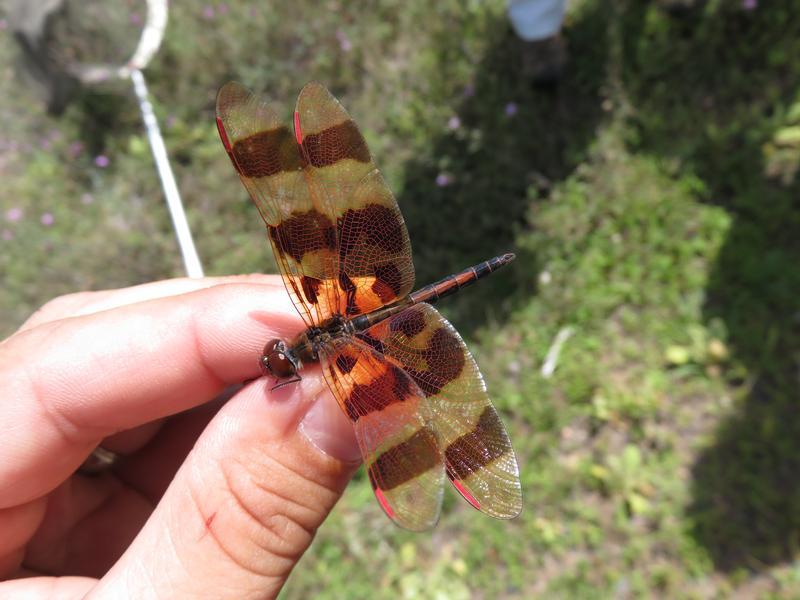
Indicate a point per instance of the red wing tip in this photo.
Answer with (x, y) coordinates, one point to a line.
(223, 135)
(467, 496)
(298, 133)
(384, 502)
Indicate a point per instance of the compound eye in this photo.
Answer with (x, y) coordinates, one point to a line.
(273, 345)
(280, 365)
(263, 362)
(276, 360)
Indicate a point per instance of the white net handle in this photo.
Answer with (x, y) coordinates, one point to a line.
(149, 43)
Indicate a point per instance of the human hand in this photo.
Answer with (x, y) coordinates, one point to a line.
(219, 501)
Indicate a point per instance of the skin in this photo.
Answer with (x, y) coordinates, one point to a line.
(220, 490)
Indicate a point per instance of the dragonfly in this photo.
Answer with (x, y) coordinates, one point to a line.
(397, 368)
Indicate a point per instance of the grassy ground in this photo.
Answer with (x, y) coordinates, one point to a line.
(651, 197)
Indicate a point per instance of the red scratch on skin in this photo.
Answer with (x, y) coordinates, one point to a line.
(210, 520)
(383, 502)
(298, 134)
(467, 496)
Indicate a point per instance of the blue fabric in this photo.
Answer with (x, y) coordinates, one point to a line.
(536, 19)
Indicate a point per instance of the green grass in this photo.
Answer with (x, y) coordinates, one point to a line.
(652, 200)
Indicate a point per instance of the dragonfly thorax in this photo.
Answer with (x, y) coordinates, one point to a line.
(282, 360)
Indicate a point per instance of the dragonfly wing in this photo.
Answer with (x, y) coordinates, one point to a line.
(301, 227)
(478, 455)
(375, 266)
(390, 416)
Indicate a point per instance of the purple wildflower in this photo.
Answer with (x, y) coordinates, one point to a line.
(443, 180)
(87, 198)
(135, 19)
(344, 42)
(47, 219)
(749, 4)
(3, 24)
(208, 12)
(8, 235)
(469, 90)
(453, 122)
(511, 109)
(14, 214)
(102, 161)
(222, 8)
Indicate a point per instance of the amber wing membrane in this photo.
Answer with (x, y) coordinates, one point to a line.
(478, 455)
(391, 420)
(335, 228)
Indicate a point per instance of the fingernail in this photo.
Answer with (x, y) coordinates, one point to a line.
(329, 429)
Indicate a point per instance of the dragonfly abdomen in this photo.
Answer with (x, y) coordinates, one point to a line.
(434, 292)
(452, 283)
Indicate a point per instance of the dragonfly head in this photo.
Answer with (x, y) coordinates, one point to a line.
(278, 360)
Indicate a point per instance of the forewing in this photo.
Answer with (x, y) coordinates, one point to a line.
(478, 455)
(375, 266)
(301, 226)
(389, 412)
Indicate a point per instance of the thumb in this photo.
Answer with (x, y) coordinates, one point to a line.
(246, 503)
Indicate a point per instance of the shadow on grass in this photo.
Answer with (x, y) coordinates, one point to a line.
(523, 138)
(711, 89)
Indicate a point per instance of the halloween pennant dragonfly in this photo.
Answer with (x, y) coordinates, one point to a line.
(397, 368)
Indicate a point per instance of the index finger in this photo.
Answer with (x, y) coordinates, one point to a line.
(70, 383)
(84, 303)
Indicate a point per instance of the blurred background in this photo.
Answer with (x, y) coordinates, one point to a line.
(648, 184)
